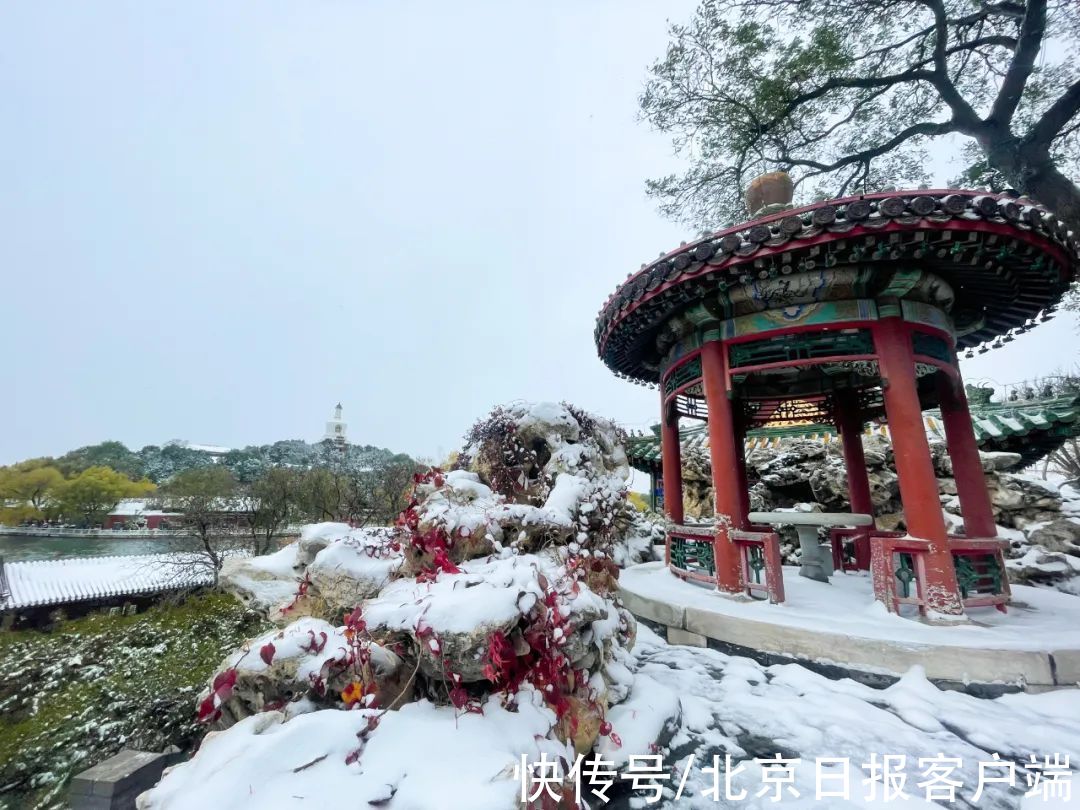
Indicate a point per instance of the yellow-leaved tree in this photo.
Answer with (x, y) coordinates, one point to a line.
(89, 496)
(27, 489)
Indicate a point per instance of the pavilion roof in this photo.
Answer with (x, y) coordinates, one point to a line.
(1033, 428)
(1006, 260)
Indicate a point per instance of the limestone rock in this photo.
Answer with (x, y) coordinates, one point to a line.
(1039, 566)
(1061, 535)
(999, 461)
(317, 536)
(262, 583)
(1016, 498)
(448, 624)
(354, 568)
(643, 531)
(304, 660)
(580, 725)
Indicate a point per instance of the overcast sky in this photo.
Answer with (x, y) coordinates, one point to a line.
(220, 219)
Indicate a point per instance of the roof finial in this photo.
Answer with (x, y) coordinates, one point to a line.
(768, 193)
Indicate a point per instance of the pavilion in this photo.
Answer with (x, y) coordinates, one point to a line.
(841, 312)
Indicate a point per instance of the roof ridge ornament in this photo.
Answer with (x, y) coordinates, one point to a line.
(768, 193)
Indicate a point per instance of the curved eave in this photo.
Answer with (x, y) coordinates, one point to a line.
(645, 300)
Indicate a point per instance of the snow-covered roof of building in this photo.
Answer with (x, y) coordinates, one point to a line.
(212, 449)
(138, 507)
(52, 582)
(209, 448)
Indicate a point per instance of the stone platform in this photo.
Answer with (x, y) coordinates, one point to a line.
(838, 628)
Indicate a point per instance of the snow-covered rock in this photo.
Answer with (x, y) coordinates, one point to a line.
(276, 667)
(316, 536)
(644, 531)
(262, 582)
(306, 661)
(500, 580)
(354, 567)
(1061, 535)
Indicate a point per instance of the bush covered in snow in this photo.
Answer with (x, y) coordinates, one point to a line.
(75, 696)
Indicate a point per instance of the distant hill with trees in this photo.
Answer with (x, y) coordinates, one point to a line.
(161, 463)
(287, 481)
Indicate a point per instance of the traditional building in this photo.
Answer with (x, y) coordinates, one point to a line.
(842, 312)
(141, 513)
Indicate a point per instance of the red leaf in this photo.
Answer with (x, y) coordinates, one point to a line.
(266, 653)
(315, 646)
(208, 712)
(459, 697)
(443, 562)
(225, 681)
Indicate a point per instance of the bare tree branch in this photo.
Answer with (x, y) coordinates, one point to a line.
(1032, 30)
(1054, 120)
(964, 114)
(927, 128)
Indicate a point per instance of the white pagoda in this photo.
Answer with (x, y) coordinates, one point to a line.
(335, 427)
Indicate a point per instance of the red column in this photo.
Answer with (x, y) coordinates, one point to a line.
(849, 425)
(741, 481)
(724, 455)
(672, 461)
(964, 453)
(914, 467)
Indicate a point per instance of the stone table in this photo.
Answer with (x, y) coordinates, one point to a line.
(816, 557)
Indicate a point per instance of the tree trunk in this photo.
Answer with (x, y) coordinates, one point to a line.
(1053, 189)
(1030, 169)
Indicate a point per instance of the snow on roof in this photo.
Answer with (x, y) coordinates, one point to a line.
(212, 449)
(77, 579)
(209, 448)
(135, 507)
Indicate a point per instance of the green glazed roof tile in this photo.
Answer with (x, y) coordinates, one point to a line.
(1033, 428)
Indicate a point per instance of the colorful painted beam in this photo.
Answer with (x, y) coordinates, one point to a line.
(1033, 428)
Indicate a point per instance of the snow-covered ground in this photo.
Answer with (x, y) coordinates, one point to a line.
(713, 705)
(1038, 619)
(738, 707)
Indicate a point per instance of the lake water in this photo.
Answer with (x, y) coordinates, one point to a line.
(14, 547)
